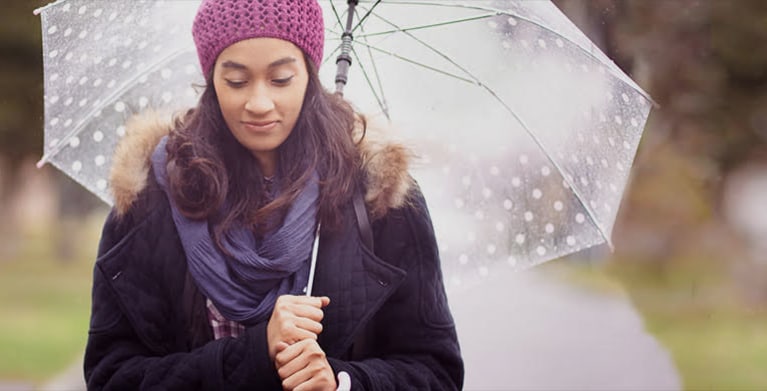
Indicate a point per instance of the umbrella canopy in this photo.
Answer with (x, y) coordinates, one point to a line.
(525, 131)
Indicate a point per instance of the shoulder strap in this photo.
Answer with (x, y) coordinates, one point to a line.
(363, 222)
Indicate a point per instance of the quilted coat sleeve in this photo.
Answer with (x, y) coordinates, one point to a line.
(411, 342)
(136, 337)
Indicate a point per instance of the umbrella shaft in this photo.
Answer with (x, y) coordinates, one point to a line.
(344, 60)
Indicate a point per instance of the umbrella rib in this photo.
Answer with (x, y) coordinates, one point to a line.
(382, 100)
(109, 98)
(369, 11)
(538, 142)
(381, 103)
(411, 61)
(590, 53)
(426, 26)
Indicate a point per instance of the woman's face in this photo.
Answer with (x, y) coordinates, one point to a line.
(260, 84)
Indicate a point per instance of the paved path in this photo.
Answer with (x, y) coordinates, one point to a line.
(549, 335)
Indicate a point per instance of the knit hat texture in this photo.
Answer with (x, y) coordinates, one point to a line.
(221, 23)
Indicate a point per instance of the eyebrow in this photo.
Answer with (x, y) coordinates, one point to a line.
(236, 65)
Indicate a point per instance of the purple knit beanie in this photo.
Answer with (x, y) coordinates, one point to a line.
(221, 23)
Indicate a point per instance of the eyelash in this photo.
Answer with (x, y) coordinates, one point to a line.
(278, 82)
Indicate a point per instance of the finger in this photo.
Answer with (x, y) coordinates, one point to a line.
(309, 325)
(291, 352)
(292, 359)
(281, 346)
(307, 311)
(314, 301)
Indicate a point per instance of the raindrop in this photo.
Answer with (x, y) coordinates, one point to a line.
(626, 145)
(545, 171)
(54, 99)
(574, 158)
(487, 193)
(516, 181)
(520, 238)
(128, 41)
(68, 101)
(549, 228)
(98, 13)
(52, 30)
(491, 249)
(143, 101)
(120, 131)
(53, 143)
(512, 261)
(541, 250)
(558, 206)
(83, 34)
(542, 44)
(507, 204)
(589, 161)
(100, 160)
(618, 120)
(119, 107)
(494, 170)
(190, 69)
(143, 79)
(506, 44)
(611, 141)
(529, 216)
(68, 32)
(604, 163)
(493, 25)
(537, 194)
(523, 159)
(54, 121)
(68, 56)
(98, 59)
(143, 45)
(634, 122)
(74, 141)
(82, 10)
(101, 184)
(126, 64)
(98, 136)
(111, 84)
(459, 203)
(167, 96)
(112, 16)
(83, 80)
(613, 188)
(593, 204)
(560, 43)
(97, 82)
(570, 241)
(580, 218)
(479, 215)
(54, 77)
(463, 259)
(77, 166)
(512, 21)
(157, 48)
(67, 7)
(584, 181)
(53, 53)
(83, 102)
(112, 62)
(619, 166)
(625, 97)
(499, 226)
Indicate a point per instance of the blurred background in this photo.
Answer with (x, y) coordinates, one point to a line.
(690, 242)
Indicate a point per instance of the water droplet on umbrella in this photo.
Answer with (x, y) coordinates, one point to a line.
(66, 125)
(560, 43)
(77, 166)
(53, 143)
(97, 82)
(520, 238)
(584, 181)
(483, 271)
(112, 16)
(53, 53)
(545, 171)
(570, 241)
(516, 182)
(143, 101)
(512, 21)
(120, 131)
(83, 34)
(98, 13)
(126, 64)
(98, 136)
(537, 194)
(54, 99)
(466, 180)
(487, 193)
(68, 56)
(494, 170)
(549, 228)
(52, 29)
(507, 204)
(523, 159)
(54, 121)
(580, 218)
(491, 249)
(463, 259)
(74, 141)
(100, 160)
(101, 184)
(83, 102)
(68, 32)
(529, 216)
(499, 226)
(458, 203)
(479, 215)
(618, 120)
(83, 80)
(558, 206)
(167, 96)
(119, 107)
(541, 250)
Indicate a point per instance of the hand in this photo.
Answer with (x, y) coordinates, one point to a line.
(294, 319)
(304, 366)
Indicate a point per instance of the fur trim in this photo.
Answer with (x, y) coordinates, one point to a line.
(385, 163)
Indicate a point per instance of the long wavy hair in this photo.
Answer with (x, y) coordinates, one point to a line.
(213, 177)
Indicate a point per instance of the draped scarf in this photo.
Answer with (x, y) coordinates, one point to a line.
(245, 284)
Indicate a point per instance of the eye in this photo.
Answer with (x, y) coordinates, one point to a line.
(283, 82)
(236, 83)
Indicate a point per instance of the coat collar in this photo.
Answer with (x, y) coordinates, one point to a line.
(385, 163)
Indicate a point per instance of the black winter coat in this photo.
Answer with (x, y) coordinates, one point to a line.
(388, 324)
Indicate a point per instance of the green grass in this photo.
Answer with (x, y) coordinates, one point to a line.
(44, 305)
(717, 340)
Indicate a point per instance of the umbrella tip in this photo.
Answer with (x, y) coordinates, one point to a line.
(41, 163)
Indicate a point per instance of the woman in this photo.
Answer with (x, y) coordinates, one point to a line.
(204, 260)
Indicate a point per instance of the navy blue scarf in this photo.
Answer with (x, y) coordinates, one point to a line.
(244, 287)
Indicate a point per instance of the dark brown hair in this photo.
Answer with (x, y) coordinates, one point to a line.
(213, 177)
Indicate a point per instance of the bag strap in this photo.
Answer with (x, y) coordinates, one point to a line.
(363, 222)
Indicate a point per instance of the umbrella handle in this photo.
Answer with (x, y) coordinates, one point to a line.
(344, 60)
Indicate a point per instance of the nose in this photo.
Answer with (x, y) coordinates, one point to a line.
(259, 101)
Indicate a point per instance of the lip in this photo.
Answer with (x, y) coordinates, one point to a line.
(259, 126)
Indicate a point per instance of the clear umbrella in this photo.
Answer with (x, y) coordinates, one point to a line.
(525, 131)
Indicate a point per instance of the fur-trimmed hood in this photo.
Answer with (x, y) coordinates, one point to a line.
(385, 163)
